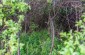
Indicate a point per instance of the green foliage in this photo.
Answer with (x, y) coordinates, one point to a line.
(10, 8)
(49, 1)
(39, 43)
(36, 43)
(33, 26)
(74, 42)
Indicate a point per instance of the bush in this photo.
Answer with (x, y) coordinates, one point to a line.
(71, 43)
(11, 15)
(74, 41)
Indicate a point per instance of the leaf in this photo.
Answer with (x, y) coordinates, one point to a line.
(82, 49)
(49, 1)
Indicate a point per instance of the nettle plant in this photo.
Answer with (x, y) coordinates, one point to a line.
(74, 41)
(12, 13)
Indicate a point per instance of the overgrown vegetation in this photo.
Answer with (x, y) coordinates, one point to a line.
(10, 29)
(71, 43)
(49, 33)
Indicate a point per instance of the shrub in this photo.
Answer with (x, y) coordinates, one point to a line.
(74, 41)
(11, 15)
